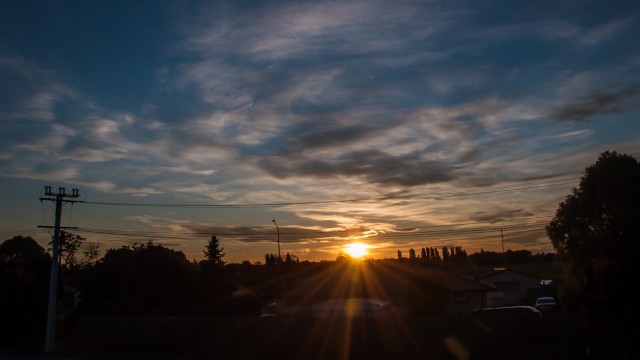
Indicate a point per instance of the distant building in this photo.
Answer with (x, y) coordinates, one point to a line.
(462, 295)
(511, 287)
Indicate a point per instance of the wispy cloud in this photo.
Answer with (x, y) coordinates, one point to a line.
(499, 215)
(34, 93)
(599, 102)
(287, 31)
(582, 35)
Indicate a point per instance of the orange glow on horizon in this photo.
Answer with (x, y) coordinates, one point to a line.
(357, 250)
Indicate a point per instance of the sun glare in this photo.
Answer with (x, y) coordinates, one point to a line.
(357, 250)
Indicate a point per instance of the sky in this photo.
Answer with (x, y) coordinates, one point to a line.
(399, 125)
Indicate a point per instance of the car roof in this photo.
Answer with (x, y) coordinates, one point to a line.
(545, 299)
(517, 308)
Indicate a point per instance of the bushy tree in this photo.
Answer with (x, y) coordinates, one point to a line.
(508, 257)
(24, 283)
(141, 279)
(596, 233)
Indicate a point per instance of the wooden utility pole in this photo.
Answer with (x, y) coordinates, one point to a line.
(278, 228)
(59, 199)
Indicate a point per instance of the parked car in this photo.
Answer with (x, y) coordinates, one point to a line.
(546, 303)
(527, 310)
(352, 307)
(270, 311)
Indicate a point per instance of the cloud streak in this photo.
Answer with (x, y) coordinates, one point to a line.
(600, 102)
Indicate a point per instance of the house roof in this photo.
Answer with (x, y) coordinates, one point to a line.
(347, 281)
(500, 271)
(452, 281)
(381, 281)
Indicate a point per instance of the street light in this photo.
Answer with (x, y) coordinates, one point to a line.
(279, 257)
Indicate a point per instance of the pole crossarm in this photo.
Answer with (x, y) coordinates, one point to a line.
(53, 227)
(66, 201)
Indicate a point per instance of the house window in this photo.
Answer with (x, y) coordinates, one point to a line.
(507, 285)
(460, 298)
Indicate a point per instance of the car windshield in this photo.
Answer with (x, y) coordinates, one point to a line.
(546, 301)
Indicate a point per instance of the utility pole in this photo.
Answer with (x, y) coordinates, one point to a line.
(502, 237)
(279, 257)
(59, 199)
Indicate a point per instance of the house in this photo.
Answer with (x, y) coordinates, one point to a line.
(407, 289)
(459, 294)
(511, 287)
(340, 281)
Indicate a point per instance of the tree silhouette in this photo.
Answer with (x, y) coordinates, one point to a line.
(596, 234)
(508, 257)
(75, 252)
(213, 252)
(141, 279)
(445, 254)
(270, 260)
(24, 282)
(19, 249)
(343, 256)
(291, 258)
(460, 255)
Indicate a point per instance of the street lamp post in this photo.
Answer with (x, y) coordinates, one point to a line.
(279, 257)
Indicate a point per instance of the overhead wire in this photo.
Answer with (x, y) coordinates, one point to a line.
(70, 215)
(448, 230)
(267, 237)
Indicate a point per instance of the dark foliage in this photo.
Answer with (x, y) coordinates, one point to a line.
(451, 256)
(509, 257)
(75, 251)
(596, 232)
(24, 280)
(270, 260)
(214, 285)
(142, 279)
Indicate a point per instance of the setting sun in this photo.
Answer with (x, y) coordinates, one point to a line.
(357, 250)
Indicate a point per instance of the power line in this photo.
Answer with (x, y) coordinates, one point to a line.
(197, 206)
(309, 235)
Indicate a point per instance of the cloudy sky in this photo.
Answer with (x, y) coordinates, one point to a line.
(398, 124)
